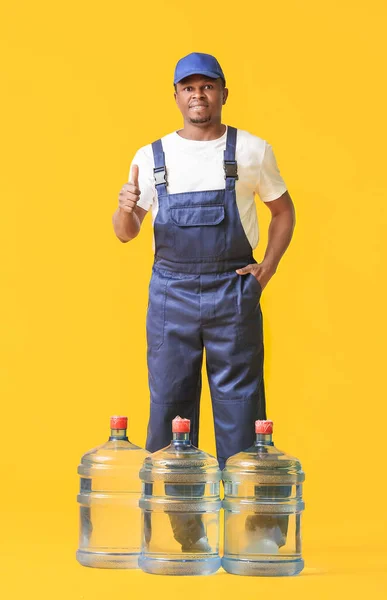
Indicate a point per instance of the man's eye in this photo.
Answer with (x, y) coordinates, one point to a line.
(188, 89)
(209, 86)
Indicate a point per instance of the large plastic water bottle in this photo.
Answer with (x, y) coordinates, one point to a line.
(110, 518)
(262, 509)
(180, 506)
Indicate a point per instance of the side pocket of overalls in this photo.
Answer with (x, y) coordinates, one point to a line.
(249, 311)
(155, 318)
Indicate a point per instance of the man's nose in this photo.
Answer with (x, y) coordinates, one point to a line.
(198, 93)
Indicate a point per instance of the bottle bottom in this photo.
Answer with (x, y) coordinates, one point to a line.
(107, 560)
(164, 566)
(283, 568)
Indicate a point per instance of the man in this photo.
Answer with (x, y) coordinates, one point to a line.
(205, 288)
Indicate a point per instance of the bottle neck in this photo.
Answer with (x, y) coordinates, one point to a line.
(264, 439)
(118, 434)
(181, 438)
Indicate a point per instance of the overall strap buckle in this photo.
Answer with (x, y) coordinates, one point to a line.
(160, 174)
(230, 169)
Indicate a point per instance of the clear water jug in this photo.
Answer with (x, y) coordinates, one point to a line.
(262, 509)
(110, 489)
(180, 508)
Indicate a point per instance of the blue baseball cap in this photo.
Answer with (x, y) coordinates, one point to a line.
(198, 63)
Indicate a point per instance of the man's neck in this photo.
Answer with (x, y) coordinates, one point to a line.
(202, 132)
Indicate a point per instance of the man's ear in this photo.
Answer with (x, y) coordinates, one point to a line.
(225, 95)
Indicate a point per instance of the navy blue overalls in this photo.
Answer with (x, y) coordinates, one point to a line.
(196, 301)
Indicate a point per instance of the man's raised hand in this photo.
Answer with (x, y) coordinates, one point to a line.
(130, 192)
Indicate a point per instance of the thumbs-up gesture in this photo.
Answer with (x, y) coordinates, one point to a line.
(130, 192)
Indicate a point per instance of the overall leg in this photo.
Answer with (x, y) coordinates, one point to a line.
(233, 339)
(175, 354)
(235, 357)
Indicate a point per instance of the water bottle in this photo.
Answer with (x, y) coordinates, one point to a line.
(262, 509)
(180, 508)
(110, 518)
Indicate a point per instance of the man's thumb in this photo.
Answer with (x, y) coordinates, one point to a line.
(244, 270)
(134, 177)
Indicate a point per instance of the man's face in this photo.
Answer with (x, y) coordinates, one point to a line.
(200, 99)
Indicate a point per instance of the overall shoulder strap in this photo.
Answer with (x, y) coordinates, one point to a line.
(160, 171)
(230, 164)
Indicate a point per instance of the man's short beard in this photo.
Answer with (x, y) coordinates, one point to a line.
(202, 120)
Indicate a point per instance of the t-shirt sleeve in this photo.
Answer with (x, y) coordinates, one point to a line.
(145, 177)
(270, 185)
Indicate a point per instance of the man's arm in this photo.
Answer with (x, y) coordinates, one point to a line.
(281, 228)
(127, 225)
(128, 217)
(283, 220)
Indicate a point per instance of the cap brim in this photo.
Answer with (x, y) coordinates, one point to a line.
(206, 73)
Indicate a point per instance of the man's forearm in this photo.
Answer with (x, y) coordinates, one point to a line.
(280, 233)
(126, 225)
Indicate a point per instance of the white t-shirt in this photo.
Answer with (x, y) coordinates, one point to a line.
(198, 165)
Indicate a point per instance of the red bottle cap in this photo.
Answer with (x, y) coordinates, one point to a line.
(180, 425)
(118, 422)
(265, 427)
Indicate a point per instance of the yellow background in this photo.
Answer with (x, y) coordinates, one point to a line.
(84, 85)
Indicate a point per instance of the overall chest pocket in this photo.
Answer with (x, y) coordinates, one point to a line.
(199, 231)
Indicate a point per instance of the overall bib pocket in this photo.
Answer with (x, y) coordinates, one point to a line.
(199, 230)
